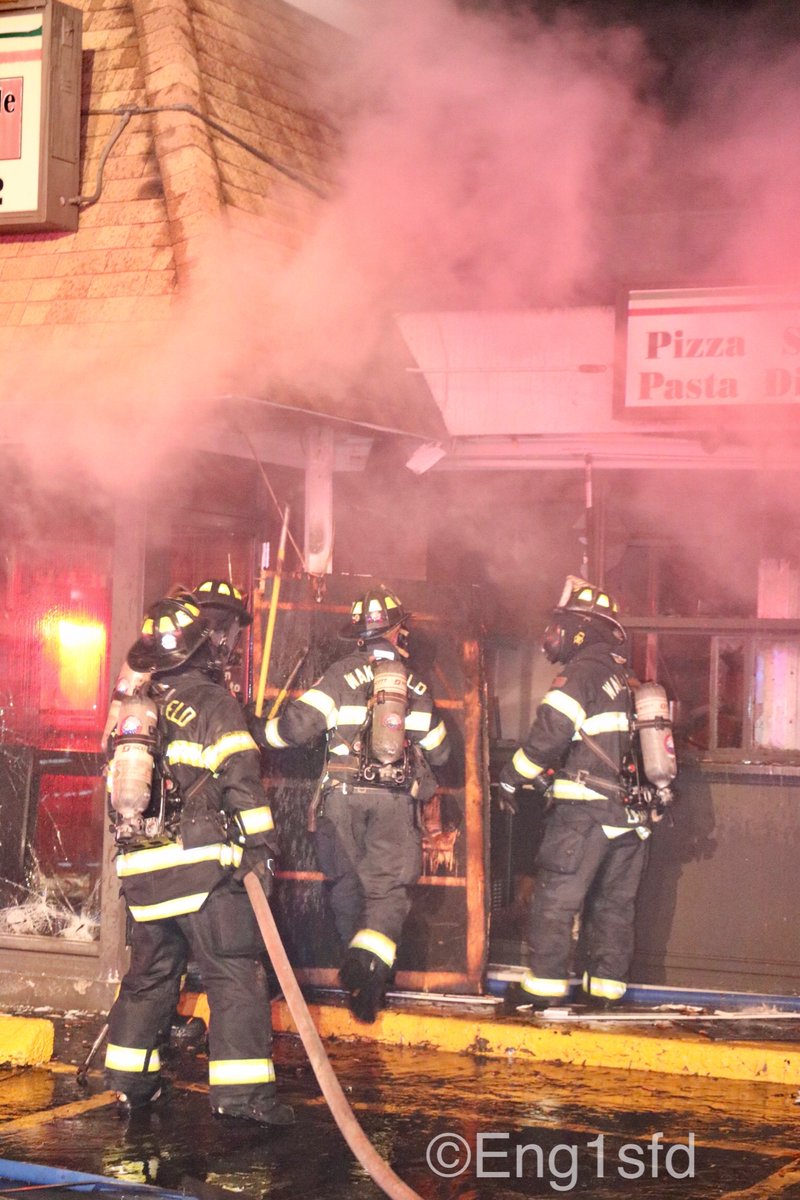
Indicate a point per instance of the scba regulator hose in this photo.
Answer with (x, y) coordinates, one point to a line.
(375, 1166)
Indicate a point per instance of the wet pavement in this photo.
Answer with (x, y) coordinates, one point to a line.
(452, 1126)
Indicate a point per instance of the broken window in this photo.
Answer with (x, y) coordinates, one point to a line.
(54, 612)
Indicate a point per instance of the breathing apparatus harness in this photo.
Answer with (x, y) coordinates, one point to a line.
(649, 766)
(381, 744)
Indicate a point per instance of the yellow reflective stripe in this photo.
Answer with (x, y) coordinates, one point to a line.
(189, 753)
(377, 943)
(126, 1058)
(525, 766)
(255, 820)
(543, 987)
(567, 705)
(352, 714)
(272, 735)
(615, 831)
(225, 1071)
(342, 748)
(231, 743)
(160, 858)
(434, 738)
(607, 989)
(169, 908)
(322, 702)
(607, 722)
(420, 722)
(210, 758)
(570, 789)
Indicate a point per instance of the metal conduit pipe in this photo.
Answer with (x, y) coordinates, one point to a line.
(376, 1166)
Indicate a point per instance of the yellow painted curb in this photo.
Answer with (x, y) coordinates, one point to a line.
(26, 1041)
(672, 1053)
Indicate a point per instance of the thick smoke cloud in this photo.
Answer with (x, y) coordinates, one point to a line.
(487, 158)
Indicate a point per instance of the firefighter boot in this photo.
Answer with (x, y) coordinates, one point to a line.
(515, 998)
(266, 1110)
(365, 977)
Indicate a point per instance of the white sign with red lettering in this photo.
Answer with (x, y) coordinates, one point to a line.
(711, 347)
(21, 40)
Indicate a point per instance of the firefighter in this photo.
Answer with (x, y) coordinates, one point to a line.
(184, 892)
(593, 848)
(368, 834)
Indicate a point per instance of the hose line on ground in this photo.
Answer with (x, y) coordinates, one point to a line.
(376, 1166)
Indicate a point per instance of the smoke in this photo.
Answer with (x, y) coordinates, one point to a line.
(486, 159)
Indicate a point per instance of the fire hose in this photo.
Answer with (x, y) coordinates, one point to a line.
(376, 1166)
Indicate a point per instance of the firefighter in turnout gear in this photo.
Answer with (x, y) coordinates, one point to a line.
(368, 834)
(183, 889)
(593, 849)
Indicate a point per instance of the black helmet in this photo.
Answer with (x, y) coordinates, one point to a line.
(218, 594)
(172, 632)
(373, 615)
(585, 614)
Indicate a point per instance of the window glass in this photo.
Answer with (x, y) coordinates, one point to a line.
(54, 614)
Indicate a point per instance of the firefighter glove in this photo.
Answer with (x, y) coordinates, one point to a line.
(261, 861)
(256, 725)
(506, 791)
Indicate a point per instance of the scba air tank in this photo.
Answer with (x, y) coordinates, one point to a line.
(133, 762)
(128, 684)
(390, 702)
(654, 726)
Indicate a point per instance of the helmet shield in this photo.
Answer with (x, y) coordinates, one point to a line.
(219, 600)
(586, 614)
(373, 615)
(172, 632)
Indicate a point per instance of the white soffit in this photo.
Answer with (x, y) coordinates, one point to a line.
(539, 371)
(347, 15)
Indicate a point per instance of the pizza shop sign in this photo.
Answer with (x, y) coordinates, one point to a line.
(708, 347)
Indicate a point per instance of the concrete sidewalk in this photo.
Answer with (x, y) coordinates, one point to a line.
(480, 1029)
(667, 1049)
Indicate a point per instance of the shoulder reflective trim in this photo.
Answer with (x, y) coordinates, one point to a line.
(570, 789)
(322, 702)
(161, 858)
(606, 989)
(210, 758)
(126, 1058)
(274, 739)
(607, 722)
(352, 714)
(434, 738)
(168, 908)
(223, 1072)
(377, 943)
(525, 766)
(567, 705)
(420, 722)
(535, 986)
(255, 820)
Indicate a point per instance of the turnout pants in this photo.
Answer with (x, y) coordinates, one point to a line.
(579, 867)
(222, 940)
(370, 851)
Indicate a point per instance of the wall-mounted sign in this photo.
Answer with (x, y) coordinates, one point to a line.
(708, 348)
(40, 87)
